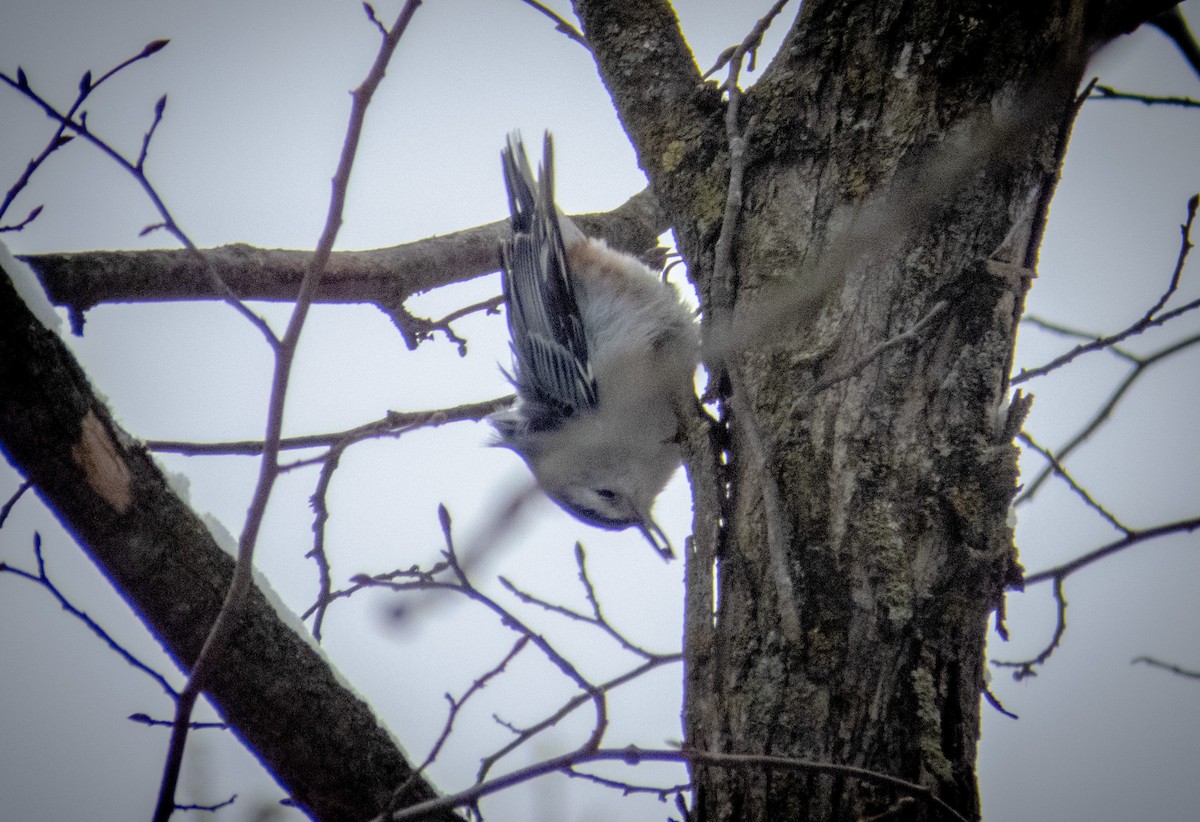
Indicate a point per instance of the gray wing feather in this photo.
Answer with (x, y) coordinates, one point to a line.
(552, 373)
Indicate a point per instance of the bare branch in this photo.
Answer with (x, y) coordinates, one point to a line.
(455, 707)
(1183, 526)
(60, 138)
(210, 808)
(560, 24)
(995, 703)
(385, 277)
(317, 553)
(394, 424)
(243, 581)
(633, 755)
(159, 108)
(1150, 319)
(777, 533)
(596, 619)
(416, 330)
(749, 45)
(523, 735)
(725, 280)
(1172, 23)
(42, 579)
(6, 509)
(34, 213)
(1141, 366)
(1175, 669)
(862, 362)
(1079, 490)
(627, 788)
(416, 579)
(1025, 668)
(1110, 93)
(149, 721)
(511, 621)
(79, 126)
(336, 759)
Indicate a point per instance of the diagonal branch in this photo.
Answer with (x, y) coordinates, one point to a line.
(1140, 366)
(1166, 666)
(336, 759)
(560, 23)
(1080, 491)
(213, 652)
(648, 69)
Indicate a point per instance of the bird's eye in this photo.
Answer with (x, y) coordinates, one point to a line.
(606, 493)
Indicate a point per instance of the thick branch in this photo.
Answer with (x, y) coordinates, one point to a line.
(649, 72)
(322, 743)
(386, 276)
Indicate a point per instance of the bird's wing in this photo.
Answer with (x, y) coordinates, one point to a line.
(550, 353)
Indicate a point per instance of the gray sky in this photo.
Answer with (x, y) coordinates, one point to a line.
(258, 97)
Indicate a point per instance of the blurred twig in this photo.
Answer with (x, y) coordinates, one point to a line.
(1167, 666)
(1110, 93)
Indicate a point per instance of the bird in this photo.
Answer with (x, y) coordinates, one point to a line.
(604, 354)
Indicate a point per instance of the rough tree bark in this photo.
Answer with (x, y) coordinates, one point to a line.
(902, 155)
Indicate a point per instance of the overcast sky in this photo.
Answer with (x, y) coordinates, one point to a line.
(258, 98)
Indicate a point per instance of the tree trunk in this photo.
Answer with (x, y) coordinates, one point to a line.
(900, 160)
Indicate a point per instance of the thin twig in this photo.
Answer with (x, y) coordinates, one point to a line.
(750, 43)
(392, 425)
(523, 735)
(416, 330)
(209, 808)
(149, 721)
(243, 580)
(995, 702)
(633, 755)
(12, 501)
(596, 619)
(42, 579)
(1079, 490)
(862, 362)
(1075, 333)
(1167, 666)
(456, 706)
(560, 24)
(777, 534)
(79, 126)
(320, 506)
(60, 138)
(33, 214)
(1150, 319)
(627, 788)
(1025, 668)
(1141, 366)
(1110, 93)
(159, 108)
(725, 283)
(1183, 526)
(511, 621)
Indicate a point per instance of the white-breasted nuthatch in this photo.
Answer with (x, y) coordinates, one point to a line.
(603, 356)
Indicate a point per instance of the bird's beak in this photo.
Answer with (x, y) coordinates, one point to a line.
(656, 537)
